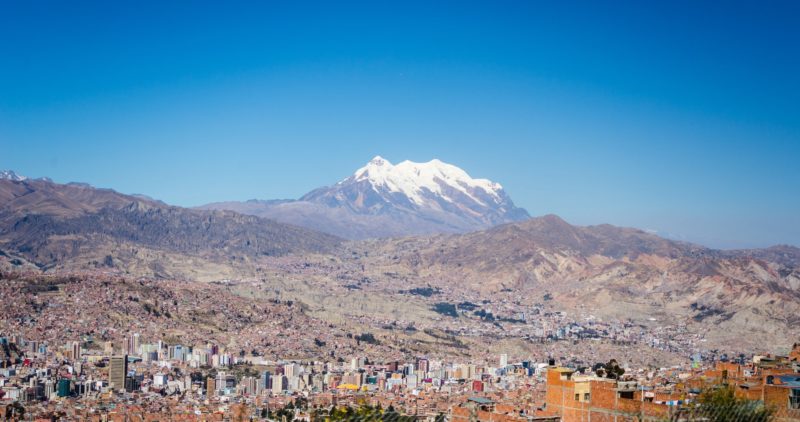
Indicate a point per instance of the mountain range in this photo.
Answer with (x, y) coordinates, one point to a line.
(476, 245)
(50, 225)
(10, 175)
(612, 272)
(386, 200)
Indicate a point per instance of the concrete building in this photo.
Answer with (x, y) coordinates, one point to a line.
(117, 370)
(279, 384)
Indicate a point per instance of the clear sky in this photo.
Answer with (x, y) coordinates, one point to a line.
(681, 117)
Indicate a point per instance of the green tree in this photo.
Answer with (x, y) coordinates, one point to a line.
(300, 403)
(317, 415)
(609, 370)
(15, 411)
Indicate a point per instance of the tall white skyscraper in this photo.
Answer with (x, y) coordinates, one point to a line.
(134, 342)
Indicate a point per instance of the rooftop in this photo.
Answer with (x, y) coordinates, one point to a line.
(480, 400)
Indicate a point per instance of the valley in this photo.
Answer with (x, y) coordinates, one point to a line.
(533, 284)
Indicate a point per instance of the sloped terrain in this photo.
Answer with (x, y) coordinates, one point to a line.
(49, 223)
(731, 297)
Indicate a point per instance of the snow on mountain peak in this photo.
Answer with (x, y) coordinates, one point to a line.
(379, 161)
(411, 197)
(414, 179)
(10, 175)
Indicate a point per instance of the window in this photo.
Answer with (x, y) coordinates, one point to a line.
(577, 397)
(585, 396)
(794, 399)
(626, 394)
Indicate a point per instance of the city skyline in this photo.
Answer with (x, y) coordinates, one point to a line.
(513, 211)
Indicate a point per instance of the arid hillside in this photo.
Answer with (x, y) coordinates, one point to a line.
(611, 272)
(52, 225)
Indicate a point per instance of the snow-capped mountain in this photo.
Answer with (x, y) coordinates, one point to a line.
(436, 189)
(10, 175)
(382, 199)
(421, 181)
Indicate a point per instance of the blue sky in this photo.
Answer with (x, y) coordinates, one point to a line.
(680, 117)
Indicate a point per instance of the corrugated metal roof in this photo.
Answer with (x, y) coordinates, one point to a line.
(480, 400)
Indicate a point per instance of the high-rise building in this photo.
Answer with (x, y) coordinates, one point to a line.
(279, 384)
(76, 351)
(149, 352)
(177, 352)
(133, 383)
(134, 341)
(411, 381)
(64, 387)
(249, 386)
(266, 380)
(356, 363)
(423, 365)
(470, 371)
(210, 386)
(503, 360)
(49, 388)
(292, 370)
(221, 382)
(117, 370)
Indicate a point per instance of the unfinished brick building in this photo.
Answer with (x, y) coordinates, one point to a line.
(578, 397)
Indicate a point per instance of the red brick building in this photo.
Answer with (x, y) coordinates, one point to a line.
(579, 397)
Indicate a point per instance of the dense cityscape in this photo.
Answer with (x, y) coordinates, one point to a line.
(142, 379)
(399, 211)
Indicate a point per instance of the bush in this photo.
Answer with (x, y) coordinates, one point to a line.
(445, 308)
(367, 338)
(467, 306)
(422, 291)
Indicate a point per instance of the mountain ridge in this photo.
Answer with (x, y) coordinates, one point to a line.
(612, 272)
(11, 175)
(47, 223)
(385, 200)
